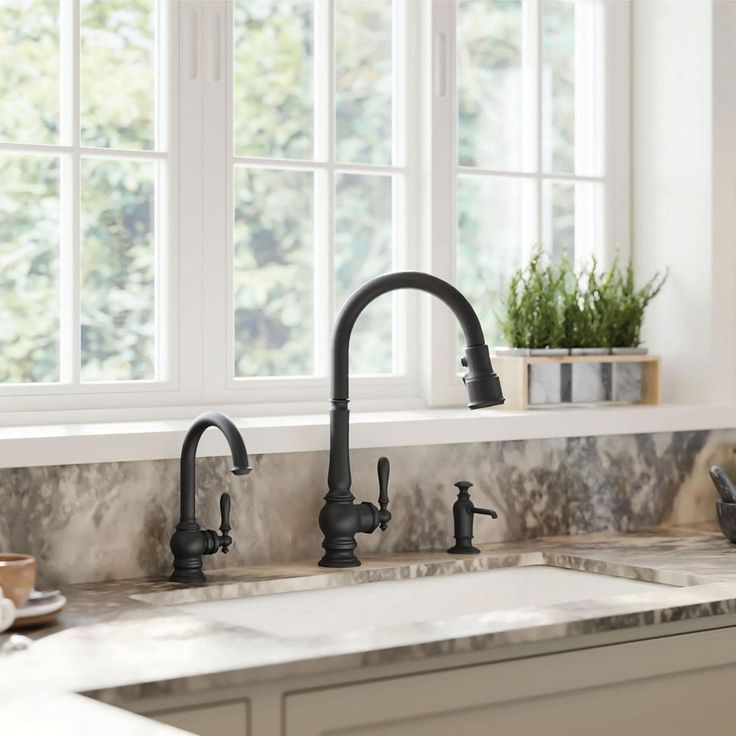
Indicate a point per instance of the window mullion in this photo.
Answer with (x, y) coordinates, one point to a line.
(216, 195)
(70, 236)
(166, 210)
(617, 130)
(324, 182)
(403, 339)
(532, 230)
(192, 347)
(329, 271)
(440, 85)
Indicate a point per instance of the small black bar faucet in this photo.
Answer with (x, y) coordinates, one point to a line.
(341, 519)
(189, 542)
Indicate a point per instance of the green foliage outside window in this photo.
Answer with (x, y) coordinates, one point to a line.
(117, 201)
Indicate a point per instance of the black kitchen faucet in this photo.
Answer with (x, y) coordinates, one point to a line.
(189, 542)
(341, 519)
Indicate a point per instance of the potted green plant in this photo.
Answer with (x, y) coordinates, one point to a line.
(623, 318)
(552, 311)
(531, 322)
(589, 381)
(531, 325)
(624, 310)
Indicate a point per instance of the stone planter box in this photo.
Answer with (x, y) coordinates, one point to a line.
(546, 378)
(590, 381)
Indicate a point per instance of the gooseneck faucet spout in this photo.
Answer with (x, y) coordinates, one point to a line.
(189, 542)
(341, 519)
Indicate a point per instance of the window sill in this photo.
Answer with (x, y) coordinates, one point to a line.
(68, 444)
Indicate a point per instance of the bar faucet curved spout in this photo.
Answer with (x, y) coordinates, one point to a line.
(341, 519)
(189, 542)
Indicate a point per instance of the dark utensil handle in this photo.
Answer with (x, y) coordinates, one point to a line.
(723, 484)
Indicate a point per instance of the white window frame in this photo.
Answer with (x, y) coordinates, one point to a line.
(198, 355)
(442, 387)
(69, 393)
(222, 385)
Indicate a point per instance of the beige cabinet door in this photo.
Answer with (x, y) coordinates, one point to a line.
(684, 705)
(668, 687)
(221, 719)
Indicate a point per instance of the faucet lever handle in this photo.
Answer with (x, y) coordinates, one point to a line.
(225, 540)
(384, 514)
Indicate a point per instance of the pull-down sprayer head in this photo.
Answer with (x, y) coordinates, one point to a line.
(482, 384)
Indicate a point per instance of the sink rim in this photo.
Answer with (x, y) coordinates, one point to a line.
(256, 586)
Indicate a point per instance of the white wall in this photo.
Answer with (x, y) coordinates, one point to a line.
(723, 278)
(683, 175)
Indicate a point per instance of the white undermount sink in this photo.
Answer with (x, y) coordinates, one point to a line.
(416, 600)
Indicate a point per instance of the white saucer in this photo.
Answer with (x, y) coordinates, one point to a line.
(40, 609)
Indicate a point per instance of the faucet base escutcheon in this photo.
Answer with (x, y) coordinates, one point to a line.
(340, 520)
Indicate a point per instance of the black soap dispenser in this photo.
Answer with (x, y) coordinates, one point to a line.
(463, 511)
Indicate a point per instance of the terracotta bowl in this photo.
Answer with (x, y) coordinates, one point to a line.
(17, 576)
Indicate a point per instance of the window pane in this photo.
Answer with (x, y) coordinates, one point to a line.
(29, 70)
(363, 81)
(572, 85)
(491, 108)
(494, 235)
(272, 78)
(29, 269)
(572, 219)
(273, 273)
(117, 66)
(118, 270)
(362, 251)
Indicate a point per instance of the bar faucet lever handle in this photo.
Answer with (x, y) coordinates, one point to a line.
(384, 515)
(225, 539)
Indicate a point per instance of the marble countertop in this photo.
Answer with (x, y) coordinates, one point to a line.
(122, 639)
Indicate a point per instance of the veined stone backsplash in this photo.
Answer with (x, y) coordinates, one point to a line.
(113, 520)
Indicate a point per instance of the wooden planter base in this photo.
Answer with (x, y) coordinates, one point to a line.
(563, 380)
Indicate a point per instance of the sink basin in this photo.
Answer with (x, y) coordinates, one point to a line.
(416, 600)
